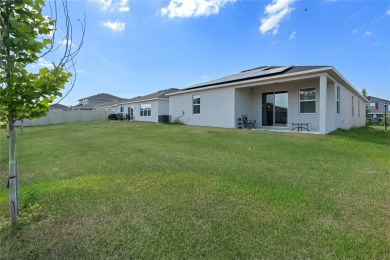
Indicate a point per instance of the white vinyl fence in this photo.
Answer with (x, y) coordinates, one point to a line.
(61, 117)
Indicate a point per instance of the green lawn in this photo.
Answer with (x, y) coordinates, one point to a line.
(101, 190)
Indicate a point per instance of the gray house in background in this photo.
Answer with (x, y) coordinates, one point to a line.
(110, 106)
(58, 107)
(96, 101)
(376, 107)
(153, 107)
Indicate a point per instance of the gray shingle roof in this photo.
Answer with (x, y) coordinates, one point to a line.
(158, 94)
(377, 99)
(85, 107)
(59, 106)
(259, 72)
(102, 96)
(111, 103)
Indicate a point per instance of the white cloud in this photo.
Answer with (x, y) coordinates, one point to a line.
(368, 33)
(123, 9)
(44, 63)
(356, 30)
(275, 12)
(123, 6)
(108, 5)
(115, 26)
(293, 35)
(388, 12)
(66, 42)
(105, 4)
(193, 8)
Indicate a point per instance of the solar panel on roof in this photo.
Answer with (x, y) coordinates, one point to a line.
(258, 68)
(245, 74)
(277, 70)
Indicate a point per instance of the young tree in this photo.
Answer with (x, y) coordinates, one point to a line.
(364, 93)
(26, 36)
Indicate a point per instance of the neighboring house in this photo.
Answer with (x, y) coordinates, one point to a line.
(58, 108)
(93, 102)
(110, 106)
(152, 108)
(274, 96)
(376, 109)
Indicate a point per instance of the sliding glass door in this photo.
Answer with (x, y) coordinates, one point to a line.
(275, 108)
(268, 109)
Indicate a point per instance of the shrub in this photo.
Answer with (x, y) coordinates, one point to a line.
(382, 122)
(177, 121)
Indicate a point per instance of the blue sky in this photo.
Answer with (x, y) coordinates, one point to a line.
(137, 47)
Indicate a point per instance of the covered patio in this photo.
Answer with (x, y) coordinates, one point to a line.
(281, 105)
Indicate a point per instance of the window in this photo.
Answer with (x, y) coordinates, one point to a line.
(122, 109)
(196, 104)
(374, 105)
(145, 109)
(307, 101)
(338, 100)
(358, 108)
(353, 108)
(130, 111)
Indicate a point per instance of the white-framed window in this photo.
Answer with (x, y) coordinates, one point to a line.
(338, 100)
(307, 101)
(122, 109)
(130, 111)
(358, 108)
(196, 104)
(145, 109)
(353, 108)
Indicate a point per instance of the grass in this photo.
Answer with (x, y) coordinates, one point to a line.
(142, 190)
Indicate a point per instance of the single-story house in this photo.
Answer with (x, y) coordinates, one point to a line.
(151, 108)
(376, 109)
(276, 97)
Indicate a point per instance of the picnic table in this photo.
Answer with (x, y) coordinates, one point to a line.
(300, 126)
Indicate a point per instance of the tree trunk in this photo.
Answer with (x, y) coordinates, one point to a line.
(21, 126)
(13, 176)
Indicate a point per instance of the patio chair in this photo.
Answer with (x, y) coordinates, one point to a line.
(248, 124)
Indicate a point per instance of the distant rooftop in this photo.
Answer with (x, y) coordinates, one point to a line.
(58, 106)
(155, 95)
(379, 99)
(102, 96)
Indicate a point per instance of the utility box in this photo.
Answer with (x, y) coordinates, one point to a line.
(163, 119)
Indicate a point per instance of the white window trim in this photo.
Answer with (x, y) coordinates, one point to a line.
(338, 97)
(288, 110)
(299, 104)
(145, 109)
(193, 98)
(359, 108)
